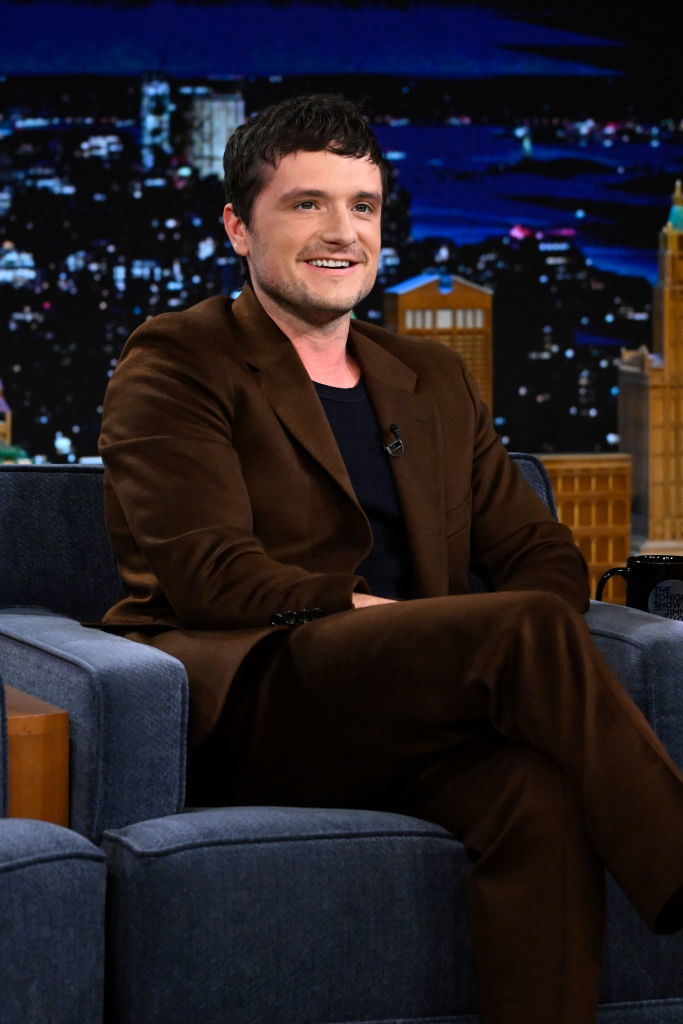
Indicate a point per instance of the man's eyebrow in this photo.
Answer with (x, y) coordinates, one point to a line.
(296, 193)
(319, 193)
(376, 197)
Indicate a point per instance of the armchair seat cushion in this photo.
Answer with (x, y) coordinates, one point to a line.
(52, 886)
(287, 915)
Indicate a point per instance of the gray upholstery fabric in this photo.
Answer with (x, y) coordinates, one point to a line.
(54, 548)
(287, 915)
(646, 655)
(52, 896)
(535, 474)
(127, 706)
(639, 967)
(660, 1011)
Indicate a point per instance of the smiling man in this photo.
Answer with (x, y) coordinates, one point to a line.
(295, 500)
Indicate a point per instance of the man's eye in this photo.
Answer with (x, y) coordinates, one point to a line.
(306, 204)
(363, 208)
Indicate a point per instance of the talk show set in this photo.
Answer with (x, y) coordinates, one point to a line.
(341, 514)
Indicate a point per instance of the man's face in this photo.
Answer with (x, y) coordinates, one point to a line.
(314, 238)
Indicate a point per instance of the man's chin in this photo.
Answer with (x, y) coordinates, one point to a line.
(316, 309)
(319, 311)
(320, 315)
(334, 306)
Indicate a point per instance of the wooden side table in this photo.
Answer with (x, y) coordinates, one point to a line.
(38, 758)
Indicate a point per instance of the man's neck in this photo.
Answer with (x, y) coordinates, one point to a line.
(322, 348)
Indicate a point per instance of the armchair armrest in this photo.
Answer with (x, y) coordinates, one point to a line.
(127, 706)
(646, 654)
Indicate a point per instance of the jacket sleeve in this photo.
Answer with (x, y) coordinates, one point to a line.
(516, 543)
(178, 509)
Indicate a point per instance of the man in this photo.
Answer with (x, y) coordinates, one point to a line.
(295, 501)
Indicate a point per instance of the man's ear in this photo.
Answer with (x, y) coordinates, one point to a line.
(236, 230)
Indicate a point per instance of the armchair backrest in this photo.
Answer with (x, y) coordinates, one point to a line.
(535, 474)
(54, 547)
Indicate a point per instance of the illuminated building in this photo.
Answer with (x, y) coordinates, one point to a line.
(451, 310)
(651, 404)
(593, 495)
(155, 120)
(17, 268)
(213, 118)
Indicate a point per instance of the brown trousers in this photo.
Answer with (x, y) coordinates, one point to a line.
(494, 716)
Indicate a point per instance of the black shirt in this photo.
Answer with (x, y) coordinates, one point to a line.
(388, 568)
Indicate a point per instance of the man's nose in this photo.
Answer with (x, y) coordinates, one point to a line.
(339, 227)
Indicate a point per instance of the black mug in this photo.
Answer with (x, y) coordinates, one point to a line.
(654, 583)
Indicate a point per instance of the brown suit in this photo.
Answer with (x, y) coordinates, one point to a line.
(228, 502)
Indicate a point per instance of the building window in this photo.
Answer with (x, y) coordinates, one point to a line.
(444, 318)
(619, 513)
(469, 318)
(418, 318)
(429, 318)
(409, 319)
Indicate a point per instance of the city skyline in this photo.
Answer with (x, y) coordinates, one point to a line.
(535, 139)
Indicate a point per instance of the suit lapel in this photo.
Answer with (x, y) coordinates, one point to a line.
(289, 390)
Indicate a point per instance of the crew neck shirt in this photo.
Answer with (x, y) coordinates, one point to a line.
(387, 568)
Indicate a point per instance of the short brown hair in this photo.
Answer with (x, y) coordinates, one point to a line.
(308, 123)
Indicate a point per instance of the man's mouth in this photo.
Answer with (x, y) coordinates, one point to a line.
(333, 264)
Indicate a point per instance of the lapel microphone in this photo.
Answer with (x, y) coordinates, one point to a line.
(396, 449)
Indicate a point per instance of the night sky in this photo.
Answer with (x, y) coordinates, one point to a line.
(257, 38)
(467, 179)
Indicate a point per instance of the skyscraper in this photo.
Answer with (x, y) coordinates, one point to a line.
(214, 118)
(651, 404)
(155, 120)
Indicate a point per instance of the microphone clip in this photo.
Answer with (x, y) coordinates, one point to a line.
(396, 448)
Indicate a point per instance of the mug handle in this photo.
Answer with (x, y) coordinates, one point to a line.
(621, 571)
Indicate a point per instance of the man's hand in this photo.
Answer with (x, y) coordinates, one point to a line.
(366, 600)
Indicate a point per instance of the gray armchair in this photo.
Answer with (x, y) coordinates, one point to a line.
(255, 914)
(127, 704)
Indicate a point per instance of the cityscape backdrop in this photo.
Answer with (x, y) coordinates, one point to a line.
(533, 153)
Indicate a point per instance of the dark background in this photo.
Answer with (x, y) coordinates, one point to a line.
(534, 152)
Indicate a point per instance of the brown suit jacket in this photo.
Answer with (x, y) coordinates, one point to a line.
(227, 499)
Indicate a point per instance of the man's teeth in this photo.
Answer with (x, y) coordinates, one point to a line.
(330, 263)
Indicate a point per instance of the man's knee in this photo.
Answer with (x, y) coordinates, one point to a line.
(543, 611)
